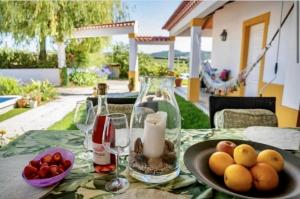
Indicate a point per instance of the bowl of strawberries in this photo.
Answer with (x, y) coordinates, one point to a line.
(48, 167)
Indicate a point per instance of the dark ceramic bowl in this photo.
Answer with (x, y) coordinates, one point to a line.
(196, 160)
(66, 154)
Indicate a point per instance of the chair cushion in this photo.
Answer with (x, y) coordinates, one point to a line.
(121, 108)
(242, 118)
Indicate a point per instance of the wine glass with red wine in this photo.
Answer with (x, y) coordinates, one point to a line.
(116, 140)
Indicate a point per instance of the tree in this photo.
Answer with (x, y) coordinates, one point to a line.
(27, 20)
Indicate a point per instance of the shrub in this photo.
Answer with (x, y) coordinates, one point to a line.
(9, 86)
(48, 91)
(43, 89)
(84, 78)
(64, 76)
(20, 59)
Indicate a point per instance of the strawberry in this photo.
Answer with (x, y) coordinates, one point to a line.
(35, 163)
(54, 170)
(44, 171)
(46, 159)
(30, 171)
(57, 157)
(60, 169)
(66, 164)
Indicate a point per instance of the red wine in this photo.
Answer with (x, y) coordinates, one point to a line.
(104, 162)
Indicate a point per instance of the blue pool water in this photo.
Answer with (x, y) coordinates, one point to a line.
(4, 99)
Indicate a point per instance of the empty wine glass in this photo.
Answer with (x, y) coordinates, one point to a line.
(116, 140)
(84, 119)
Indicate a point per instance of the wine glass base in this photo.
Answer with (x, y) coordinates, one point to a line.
(117, 185)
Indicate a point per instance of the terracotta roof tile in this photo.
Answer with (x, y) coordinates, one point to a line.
(152, 39)
(184, 8)
(108, 25)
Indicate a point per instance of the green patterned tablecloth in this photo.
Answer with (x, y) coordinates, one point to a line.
(82, 183)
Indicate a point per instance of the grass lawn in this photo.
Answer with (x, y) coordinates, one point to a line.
(193, 118)
(12, 113)
(65, 124)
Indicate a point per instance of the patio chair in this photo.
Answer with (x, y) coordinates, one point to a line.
(118, 104)
(242, 112)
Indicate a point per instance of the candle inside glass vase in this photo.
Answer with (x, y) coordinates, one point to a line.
(154, 134)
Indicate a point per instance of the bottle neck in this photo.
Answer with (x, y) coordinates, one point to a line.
(102, 108)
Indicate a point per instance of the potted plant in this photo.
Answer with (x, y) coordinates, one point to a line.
(178, 81)
(37, 96)
(131, 85)
(22, 102)
(3, 140)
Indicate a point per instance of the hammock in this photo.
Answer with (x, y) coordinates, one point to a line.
(232, 84)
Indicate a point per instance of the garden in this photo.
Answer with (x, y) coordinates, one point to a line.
(28, 95)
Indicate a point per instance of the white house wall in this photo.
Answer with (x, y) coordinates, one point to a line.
(26, 75)
(291, 92)
(227, 54)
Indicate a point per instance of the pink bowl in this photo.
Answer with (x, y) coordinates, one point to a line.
(66, 154)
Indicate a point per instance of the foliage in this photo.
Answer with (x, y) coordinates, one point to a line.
(20, 59)
(84, 78)
(150, 67)
(43, 89)
(193, 118)
(82, 53)
(39, 19)
(64, 76)
(9, 86)
(147, 64)
(12, 113)
(120, 55)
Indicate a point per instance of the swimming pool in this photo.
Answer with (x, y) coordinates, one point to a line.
(7, 103)
(3, 99)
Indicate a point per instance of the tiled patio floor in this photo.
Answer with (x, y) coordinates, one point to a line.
(203, 103)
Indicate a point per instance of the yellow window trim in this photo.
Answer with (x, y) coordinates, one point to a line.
(197, 22)
(131, 35)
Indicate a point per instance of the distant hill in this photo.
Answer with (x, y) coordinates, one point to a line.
(178, 53)
(164, 54)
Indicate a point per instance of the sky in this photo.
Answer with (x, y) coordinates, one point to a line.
(150, 15)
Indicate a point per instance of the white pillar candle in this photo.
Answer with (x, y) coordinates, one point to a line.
(154, 134)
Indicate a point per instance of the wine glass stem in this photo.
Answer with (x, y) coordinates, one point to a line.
(86, 140)
(117, 165)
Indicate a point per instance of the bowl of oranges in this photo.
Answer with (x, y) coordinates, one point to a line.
(245, 169)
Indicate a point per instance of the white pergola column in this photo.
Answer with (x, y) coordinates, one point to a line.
(133, 59)
(195, 61)
(171, 56)
(61, 54)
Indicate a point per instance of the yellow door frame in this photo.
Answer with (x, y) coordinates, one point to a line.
(264, 18)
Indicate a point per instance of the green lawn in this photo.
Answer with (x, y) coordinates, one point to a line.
(12, 113)
(65, 124)
(193, 118)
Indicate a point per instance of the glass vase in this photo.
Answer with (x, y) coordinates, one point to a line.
(155, 128)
